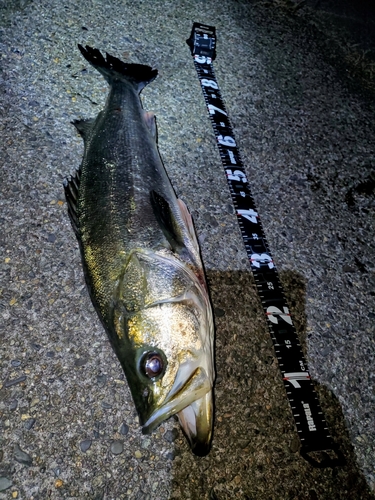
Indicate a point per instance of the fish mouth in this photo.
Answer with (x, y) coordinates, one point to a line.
(191, 399)
(196, 423)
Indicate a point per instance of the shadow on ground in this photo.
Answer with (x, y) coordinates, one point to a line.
(255, 447)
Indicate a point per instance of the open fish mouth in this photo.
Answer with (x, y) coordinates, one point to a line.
(191, 399)
(196, 423)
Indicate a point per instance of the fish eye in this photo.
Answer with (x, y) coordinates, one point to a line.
(153, 364)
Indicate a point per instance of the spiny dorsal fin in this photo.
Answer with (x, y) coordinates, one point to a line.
(71, 188)
(167, 221)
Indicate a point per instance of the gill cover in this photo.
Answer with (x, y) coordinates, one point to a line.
(161, 314)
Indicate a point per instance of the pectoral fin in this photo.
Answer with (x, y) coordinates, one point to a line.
(167, 221)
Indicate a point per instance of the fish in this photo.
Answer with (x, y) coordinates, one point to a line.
(141, 258)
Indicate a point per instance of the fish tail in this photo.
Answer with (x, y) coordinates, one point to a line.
(114, 69)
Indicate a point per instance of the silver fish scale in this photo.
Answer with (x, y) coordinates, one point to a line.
(120, 168)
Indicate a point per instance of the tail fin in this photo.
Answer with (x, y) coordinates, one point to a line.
(113, 69)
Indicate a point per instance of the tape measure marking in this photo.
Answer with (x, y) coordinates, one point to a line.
(309, 419)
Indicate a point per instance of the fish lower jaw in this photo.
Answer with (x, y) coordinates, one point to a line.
(175, 405)
(196, 421)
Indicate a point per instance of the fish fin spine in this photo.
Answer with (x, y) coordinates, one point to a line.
(71, 188)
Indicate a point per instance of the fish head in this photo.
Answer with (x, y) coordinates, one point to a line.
(165, 344)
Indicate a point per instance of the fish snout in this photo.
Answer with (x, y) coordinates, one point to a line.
(191, 399)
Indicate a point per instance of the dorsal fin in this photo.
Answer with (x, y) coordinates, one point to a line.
(84, 127)
(71, 188)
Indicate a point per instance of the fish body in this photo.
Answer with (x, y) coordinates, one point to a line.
(141, 258)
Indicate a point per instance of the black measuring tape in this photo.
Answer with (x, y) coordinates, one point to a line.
(309, 419)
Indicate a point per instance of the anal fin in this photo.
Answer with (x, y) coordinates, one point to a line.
(150, 119)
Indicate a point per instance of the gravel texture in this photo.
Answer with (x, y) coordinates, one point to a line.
(298, 84)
